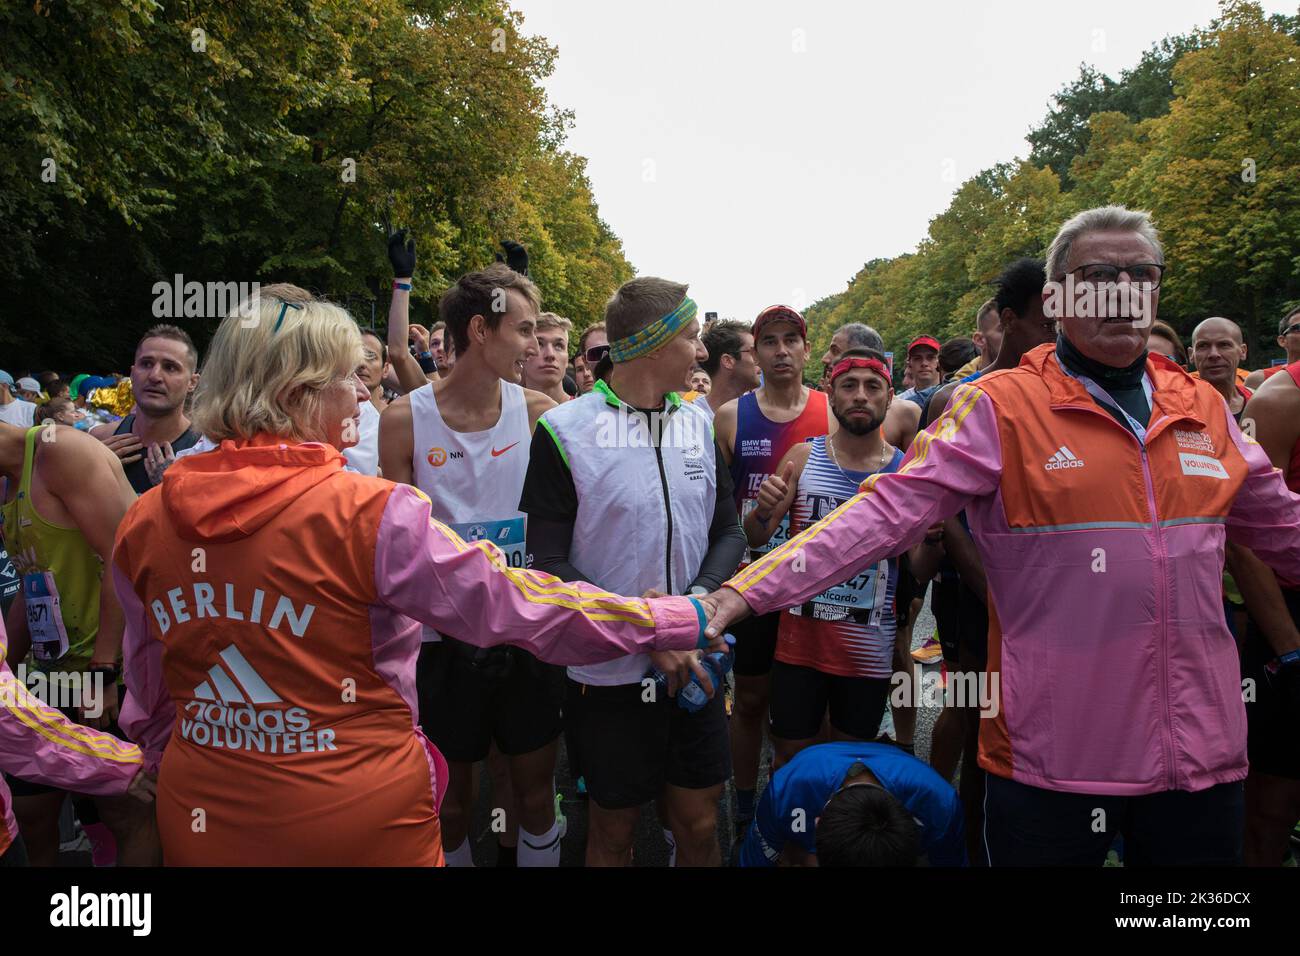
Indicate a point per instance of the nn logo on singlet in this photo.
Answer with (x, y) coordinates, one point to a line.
(1064, 458)
(440, 456)
(234, 709)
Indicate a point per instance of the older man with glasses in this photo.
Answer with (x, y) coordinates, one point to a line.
(1101, 485)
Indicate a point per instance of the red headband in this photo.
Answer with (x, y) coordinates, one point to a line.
(874, 365)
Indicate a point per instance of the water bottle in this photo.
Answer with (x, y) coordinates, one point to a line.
(693, 697)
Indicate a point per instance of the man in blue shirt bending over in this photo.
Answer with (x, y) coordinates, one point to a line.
(856, 804)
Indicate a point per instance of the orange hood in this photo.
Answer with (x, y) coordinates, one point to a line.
(230, 493)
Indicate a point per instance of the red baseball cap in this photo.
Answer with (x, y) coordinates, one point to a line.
(780, 313)
(925, 341)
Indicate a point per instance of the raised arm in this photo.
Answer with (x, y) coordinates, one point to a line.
(401, 253)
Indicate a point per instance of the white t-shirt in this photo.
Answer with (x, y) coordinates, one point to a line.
(363, 457)
(204, 444)
(18, 412)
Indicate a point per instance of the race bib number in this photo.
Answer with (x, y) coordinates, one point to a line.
(866, 591)
(44, 617)
(508, 535)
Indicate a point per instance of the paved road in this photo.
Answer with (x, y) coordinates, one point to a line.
(650, 848)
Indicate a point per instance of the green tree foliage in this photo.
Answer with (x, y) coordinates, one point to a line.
(1204, 133)
(1139, 93)
(274, 140)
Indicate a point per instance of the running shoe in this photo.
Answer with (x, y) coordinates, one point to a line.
(931, 650)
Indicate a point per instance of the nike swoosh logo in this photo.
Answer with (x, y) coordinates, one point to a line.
(498, 454)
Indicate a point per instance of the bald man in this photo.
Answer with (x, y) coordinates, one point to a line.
(1218, 350)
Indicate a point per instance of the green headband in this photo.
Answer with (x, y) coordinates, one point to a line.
(655, 335)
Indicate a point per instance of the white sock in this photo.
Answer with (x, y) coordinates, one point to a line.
(672, 847)
(541, 850)
(461, 856)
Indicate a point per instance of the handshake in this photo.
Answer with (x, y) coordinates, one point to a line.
(722, 608)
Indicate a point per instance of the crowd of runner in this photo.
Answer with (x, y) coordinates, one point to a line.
(315, 585)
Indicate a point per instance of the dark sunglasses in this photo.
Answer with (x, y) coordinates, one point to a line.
(594, 354)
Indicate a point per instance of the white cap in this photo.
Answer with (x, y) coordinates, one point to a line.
(29, 385)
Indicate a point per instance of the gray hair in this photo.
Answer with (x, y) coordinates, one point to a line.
(861, 337)
(1101, 219)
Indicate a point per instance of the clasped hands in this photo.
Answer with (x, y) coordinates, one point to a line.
(722, 608)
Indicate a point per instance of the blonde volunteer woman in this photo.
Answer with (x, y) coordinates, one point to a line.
(273, 604)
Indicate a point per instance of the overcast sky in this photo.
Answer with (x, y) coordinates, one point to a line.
(763, 150)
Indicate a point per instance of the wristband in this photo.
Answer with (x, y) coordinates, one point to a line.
(113, 671)
(404, 286)
(1290, 657)
(703, 642)
(425, 355)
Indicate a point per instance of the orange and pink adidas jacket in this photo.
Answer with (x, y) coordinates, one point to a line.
(1117, 674)
(39, 744)
(273, 606)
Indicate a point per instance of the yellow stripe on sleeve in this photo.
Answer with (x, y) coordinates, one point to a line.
(946, 428)
(130, 754)
(56, 722)
(612, 607)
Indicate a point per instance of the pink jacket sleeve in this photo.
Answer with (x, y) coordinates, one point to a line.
(148, 712)
(425, 571)
(1265, 515)
(957, 459)
(39, 744)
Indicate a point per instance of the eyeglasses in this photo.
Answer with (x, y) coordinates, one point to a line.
(1291, 328)
(595, 354)
(1147, 275)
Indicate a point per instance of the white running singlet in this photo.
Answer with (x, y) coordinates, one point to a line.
(474, 479)
(363, 457)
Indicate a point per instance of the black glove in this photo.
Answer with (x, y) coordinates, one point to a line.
(401, 253)
(516, 256)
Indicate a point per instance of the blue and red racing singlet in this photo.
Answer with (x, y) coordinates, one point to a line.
(761, 443)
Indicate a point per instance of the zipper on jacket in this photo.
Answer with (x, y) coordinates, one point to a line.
(667, 502)
(1167, 732)
(1163, 583)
